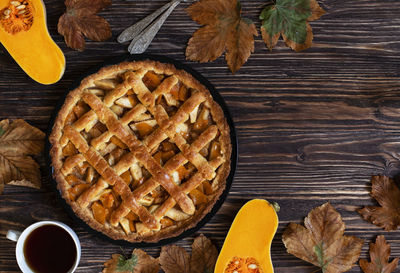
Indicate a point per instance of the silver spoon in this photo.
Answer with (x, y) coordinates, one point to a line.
(144, 31)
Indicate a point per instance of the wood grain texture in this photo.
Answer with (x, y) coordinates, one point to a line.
(312, 126)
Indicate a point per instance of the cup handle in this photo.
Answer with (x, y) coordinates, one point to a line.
(13, 235)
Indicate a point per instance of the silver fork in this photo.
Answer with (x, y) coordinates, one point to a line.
(144, 31)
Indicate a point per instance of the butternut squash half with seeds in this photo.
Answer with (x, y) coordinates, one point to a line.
(23, 32)
(247, 247)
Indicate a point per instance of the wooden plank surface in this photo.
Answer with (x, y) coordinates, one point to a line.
(312, 126)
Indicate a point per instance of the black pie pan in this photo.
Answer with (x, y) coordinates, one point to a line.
(217, 97)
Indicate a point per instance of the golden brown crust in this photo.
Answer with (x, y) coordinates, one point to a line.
(59, 139)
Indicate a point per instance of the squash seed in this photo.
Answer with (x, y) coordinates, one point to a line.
(15, 3)
(21, 7)
(252, 266)
(7, 12)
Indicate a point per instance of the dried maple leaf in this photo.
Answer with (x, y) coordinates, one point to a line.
(379, 253)
(140, 262)
(385, 191)
(204, 255)
(321, 242)
(289, 18)
(174, 259)
(18, 140)
(224, 29)
(80, 20)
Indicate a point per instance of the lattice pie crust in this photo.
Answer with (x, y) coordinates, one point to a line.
(140, 151)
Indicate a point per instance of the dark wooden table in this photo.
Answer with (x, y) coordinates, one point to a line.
(312, 126)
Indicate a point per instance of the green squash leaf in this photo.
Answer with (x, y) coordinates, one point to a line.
(289, 18)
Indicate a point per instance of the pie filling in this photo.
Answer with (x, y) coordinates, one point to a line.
(140, 151)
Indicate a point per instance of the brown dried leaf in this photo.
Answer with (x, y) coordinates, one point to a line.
(17, 141)
(204, 255)
(140, 262)
(240, 44)
(174, 259)
(224, 28)
(316, 11)
(321, 242)
(80, 20)
(110, 266)
(385, 191)
(379, 253)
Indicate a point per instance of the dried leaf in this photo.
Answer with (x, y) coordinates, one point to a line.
(80, 20)
(18, 140)
(289, 18)
(118, 262)
(204, 255)
(385, 191)
(174, 259)
(379, 253)
(224, 29)
(140, 262)
(321, 242)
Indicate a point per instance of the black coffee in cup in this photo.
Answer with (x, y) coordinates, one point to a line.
(50, 249)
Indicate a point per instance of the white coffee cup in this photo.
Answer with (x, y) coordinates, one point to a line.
(20, 238)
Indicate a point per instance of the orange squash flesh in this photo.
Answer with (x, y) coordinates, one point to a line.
(32, 48)
(249, 239)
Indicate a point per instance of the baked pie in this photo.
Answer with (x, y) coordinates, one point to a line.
(140, 151)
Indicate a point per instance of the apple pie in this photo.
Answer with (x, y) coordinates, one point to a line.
(140, 151)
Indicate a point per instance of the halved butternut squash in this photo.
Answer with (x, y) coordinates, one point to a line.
(247, 246)
(24, 33)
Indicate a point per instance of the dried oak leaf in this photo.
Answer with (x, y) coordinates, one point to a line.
(18, 140)
(385, 191)
(289, 18)
(204, 255)
(140, 262)
(80, 20)
(321, 242)
(174, 259)
(224, 29)
(379, 253)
